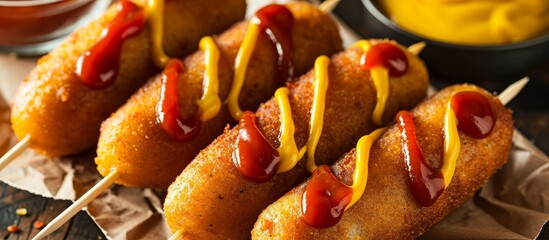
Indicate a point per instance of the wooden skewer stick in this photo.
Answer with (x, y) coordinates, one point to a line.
(510, 92)
(328, 5)
(78, 205)
(416, 48)
(178, 235)
(15, 151)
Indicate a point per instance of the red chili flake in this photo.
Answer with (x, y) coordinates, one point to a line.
(38, 224)
(13, 228)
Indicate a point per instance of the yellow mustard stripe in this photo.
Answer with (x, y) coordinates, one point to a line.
(155, 10)
(452, 142)
(365, 45)
(451, 145)
(240, 66)
(416, 48)
(210, 103)
(380, 77)
(360, 175)
(289, 154)
(317, 112)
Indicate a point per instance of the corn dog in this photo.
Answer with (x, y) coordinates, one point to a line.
(134, 143)
(391, 207)
(61, 109)
(221, 193)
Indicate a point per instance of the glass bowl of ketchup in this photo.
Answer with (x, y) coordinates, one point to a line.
(34, 27)
(473, 42)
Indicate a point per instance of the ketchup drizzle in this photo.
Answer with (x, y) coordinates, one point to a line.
(277, 22)
(426, 183)
(254, 157)
(388, 56)
(167, 111)
(474, 114)
(324, 199)
(98, 66)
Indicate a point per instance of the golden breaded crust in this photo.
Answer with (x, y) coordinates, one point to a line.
(212, 196)
(63, 116)
(387, 210)
(135, 145)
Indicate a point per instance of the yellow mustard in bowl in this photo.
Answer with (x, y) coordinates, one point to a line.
(471, 22)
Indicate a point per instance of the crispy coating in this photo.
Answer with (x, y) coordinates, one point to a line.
(63, 116)
(212, 196)
(133, 143)
(387, 210)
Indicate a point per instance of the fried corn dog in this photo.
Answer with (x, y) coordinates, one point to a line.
(388, 209)
(132, 141)
(63, 116)
(212, 197)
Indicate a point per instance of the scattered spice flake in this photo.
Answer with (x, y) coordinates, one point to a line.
(21, 211)
(12, 228)
(38, 224)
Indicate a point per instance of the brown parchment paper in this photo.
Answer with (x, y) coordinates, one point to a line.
(514, 204)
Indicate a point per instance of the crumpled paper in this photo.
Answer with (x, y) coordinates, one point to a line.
(514, 204)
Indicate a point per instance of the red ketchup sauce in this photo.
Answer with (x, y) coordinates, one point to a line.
(254, 157)
(167, 111)
(277, 22)
(98, 67)
(473, 113)
(324, 199)
(388, 56)
(425, 182)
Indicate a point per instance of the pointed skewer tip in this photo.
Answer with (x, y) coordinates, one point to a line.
(416, 48)
(511, 92)
(328, 5)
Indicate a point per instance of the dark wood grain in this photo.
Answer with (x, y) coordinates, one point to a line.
(41, 209)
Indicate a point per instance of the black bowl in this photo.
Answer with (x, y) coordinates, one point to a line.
(448, 60)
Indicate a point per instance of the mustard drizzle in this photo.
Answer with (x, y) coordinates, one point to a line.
(155, 9)
(210, 104)
(240, 65)
(289, 155)
(317, 111)
(452, 143)
(360, 175)
(380, 78)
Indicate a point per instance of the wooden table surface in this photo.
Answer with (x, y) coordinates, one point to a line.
(531, 112)
(41, 209)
